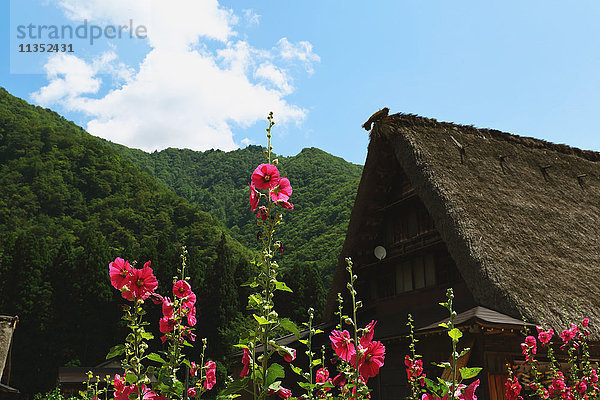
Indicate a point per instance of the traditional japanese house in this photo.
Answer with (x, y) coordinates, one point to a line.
(7, 328)
(512, 224)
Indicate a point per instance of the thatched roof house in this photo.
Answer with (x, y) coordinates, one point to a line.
(512, 223)
(7, 327)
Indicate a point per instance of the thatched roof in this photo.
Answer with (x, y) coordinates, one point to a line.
(520, 216)
(7, 326)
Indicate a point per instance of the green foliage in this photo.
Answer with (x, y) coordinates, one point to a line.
(324, 191)
(69, 204)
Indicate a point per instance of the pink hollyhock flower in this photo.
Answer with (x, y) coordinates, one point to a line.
(368, 335)
(469, 392)
(191, 316)
(246, 361)
(566, 336)
(371, 360)
(189, 301)
(120, 273)
(322, 375)
(167, 307)
(341, 344)
(254, 197)
(182, 289)
(290, 356)
(194, 368)
(265, 176)
(545, 337)
(262, 213)
(585, 322)
(283, 191)
(143, 282)
(119, 383)
(124, 393)
(581, 387)
(415, 370)
(166, 325)
(191, 392)
(284, 393)
(530, 341)
(285, 204)
(211, 375)
(147, 394)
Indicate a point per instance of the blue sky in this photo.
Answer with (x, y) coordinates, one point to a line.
(208, 72)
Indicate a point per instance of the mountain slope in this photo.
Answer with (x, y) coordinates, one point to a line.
(324, 191)
(69, 204)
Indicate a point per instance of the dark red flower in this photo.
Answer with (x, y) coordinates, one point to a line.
(263, 213)
(254, 197)
(285, 204)
(246, 361)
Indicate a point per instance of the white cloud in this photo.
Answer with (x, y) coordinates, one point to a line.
(69, 78)
(179, 96)
(246, 141)
(276, 76)
(251, 17)
(301, 51)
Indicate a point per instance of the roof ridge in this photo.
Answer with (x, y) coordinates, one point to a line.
(414, 120)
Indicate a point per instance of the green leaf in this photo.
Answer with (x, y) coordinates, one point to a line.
(116, 351)
(147, 335)
(131, 378)
(306, 385)
(188, 344)
(283, 287)
(250, 282)
(465, 351)
(445, 365)
(316, 362)
(253, 300)
(303, 341)
(443, 325)
(317, 331)
(431, 385)
(455, 334)
(289, 326)
(235, 386)
(297, 370)
(468, 373)
(156, 357)
(261, 320)
(274, 372)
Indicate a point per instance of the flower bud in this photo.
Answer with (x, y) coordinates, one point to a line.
(275, 161)
(348, 321)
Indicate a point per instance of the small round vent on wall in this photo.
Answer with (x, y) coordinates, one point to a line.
(380, 252)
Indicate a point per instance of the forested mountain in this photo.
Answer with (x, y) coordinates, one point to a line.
(69, 204)
(216, 181)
